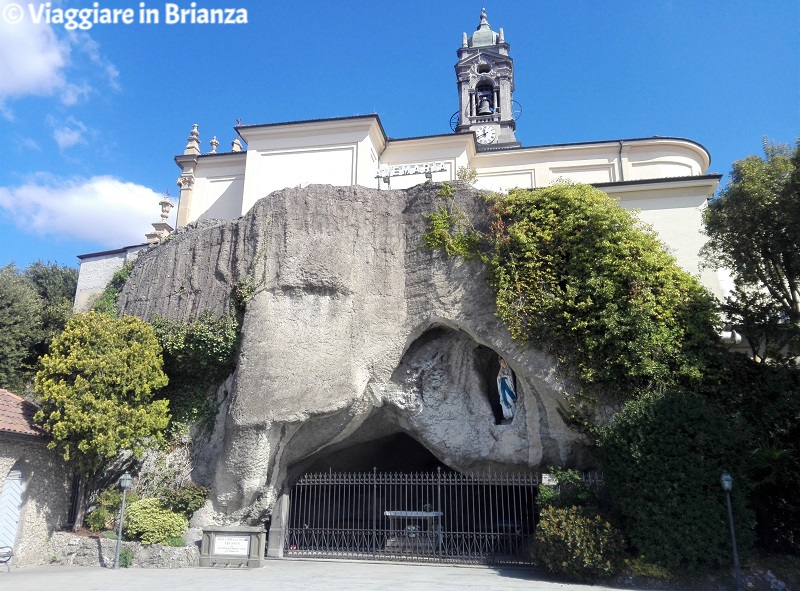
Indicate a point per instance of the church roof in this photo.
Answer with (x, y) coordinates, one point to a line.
(483, 35)
(16, 416)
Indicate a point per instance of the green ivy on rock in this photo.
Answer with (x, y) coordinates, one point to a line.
(578, 275)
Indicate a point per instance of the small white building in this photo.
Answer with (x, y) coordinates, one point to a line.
(665, 179)
(35, 491)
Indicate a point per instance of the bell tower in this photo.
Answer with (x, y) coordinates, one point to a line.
(485, 75)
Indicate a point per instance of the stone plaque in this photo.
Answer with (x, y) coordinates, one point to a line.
(232, 545)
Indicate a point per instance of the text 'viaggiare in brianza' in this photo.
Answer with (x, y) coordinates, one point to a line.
(45, 13)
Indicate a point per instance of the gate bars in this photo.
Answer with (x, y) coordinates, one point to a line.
(437, 516)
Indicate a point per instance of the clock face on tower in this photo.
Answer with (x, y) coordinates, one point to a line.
(485, 134)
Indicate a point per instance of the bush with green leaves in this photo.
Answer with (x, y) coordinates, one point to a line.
(107, 505)
(99, 519)
(147, 520)
(125, 557)
(576, 542)
(662, 460)
(185, 499)
(570, 490)
(450, 229)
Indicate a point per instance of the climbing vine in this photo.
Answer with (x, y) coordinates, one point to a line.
(577, 274)
(450, 229)
(198, 356)
(107, 302)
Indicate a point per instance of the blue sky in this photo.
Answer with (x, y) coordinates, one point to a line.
(90, 120)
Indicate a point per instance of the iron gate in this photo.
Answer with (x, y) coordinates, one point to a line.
(440, 516)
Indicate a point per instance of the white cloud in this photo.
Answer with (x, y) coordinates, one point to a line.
(70, 133)
(67, 137)
(100, 209)
(72, 94)
(31, 58)
(84, 42)
(27, 143)
(36, 59)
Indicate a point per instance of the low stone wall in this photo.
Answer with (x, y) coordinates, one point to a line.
(67, 549)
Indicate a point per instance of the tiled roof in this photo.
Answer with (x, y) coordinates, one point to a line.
(16, 416)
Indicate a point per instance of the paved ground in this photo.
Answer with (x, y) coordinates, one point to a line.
(284, 575)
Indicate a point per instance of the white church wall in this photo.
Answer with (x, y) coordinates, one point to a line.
(664, 159)
(218, 187)
(269, 171)
(602, 162)
(303, 153)
(505, 180)
(675, 212)
(96, 270)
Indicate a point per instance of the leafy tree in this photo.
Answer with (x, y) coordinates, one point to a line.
(754, 231)
(96, 387)
(56, 286)
(35, 305)
(763, 400)
(20, 325)
(54, 282)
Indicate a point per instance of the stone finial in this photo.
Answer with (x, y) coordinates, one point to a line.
(214, 143)
(463, 40)
(193, 143)
(484, 22)
(166, 206)
(501, 37)
(236, 145)
(161, 229)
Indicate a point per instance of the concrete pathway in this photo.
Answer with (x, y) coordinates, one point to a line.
(285, 575)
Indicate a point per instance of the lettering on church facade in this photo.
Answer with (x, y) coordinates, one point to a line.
(407, 169)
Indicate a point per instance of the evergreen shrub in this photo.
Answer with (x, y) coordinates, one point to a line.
(570, 490)
(662, 461)
(575, 542)
(151, 523)
(185, 499)
(98, 519)
(125, 557)
(106, 512)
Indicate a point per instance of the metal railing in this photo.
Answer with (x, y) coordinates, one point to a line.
(440, 516)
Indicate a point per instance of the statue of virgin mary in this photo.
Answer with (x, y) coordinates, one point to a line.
(505, 388)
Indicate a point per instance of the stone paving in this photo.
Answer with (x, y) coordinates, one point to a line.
(286, 575)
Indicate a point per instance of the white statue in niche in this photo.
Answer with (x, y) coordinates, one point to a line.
(505, 388)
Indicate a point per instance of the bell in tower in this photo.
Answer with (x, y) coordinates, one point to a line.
(484, 108)
(485, 77)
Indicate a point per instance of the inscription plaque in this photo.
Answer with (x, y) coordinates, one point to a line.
(232, 545)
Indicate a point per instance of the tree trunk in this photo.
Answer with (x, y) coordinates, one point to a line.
(82, 498)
